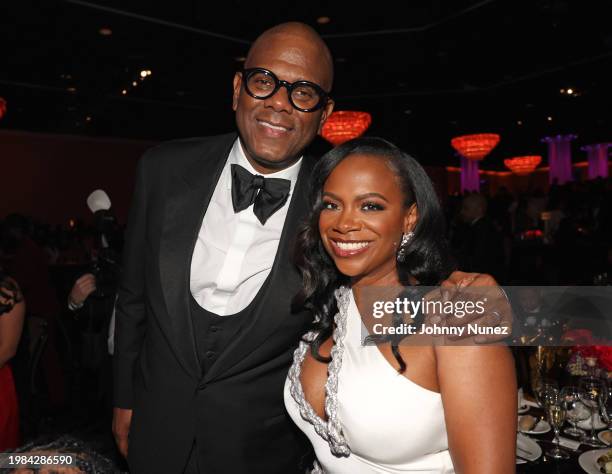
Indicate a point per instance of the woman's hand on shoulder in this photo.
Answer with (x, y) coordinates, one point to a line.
(478, 389)
(498, 314)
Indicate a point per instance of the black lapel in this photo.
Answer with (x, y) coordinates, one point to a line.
(185, 205)
(279, 288)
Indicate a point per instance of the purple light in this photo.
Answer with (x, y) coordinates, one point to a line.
(469, 175)
(598, 159)
(560, 158)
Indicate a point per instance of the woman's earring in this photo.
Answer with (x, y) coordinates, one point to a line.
(403, 248)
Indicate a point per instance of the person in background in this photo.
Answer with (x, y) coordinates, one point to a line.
(477, 243)
(28, 264)
(12, 310)
(84, 286)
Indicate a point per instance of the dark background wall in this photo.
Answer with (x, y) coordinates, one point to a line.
(50, 176)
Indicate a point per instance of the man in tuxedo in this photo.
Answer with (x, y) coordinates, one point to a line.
(204, 332)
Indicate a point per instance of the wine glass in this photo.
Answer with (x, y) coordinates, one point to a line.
(541, 388)
(606, 408)
(555, 412)
(575, 410)
(590, 393)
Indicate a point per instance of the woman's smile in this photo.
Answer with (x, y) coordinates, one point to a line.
(343, 248)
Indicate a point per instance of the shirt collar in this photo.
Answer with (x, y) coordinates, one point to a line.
(238, 157)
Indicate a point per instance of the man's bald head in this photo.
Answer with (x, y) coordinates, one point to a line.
(295, 35)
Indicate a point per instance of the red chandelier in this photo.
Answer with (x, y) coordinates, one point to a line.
(345, 125)
(475, 147)
(2, 107)
(523, 165)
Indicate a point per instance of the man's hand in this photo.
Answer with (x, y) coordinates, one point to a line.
(122, 418)
(498, 310)
(82, 288)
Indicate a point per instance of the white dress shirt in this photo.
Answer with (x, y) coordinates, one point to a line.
(234, 252)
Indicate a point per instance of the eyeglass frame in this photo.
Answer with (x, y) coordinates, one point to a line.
(247, 72)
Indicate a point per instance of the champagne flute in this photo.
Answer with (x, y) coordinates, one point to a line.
(555, 412)
(591, 390)
(575, 410)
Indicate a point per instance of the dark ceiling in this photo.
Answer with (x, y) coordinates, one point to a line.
(425, 70)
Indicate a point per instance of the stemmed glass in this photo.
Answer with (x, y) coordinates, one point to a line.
(591, 392)
(555, 412)
(575, 410)
(606, 406)
(541, 388)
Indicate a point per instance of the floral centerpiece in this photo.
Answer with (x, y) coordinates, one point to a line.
(589, 355)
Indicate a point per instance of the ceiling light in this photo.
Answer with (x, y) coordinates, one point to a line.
(124, 92)
(519, 122)
(105, 31)
(323, 20)
(562, 91)
(71, 89)
(549, 118)
(570, 91)
(143, 73)
(88, 119)
(134, 83)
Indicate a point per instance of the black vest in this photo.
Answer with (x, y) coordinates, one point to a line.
(213, 333)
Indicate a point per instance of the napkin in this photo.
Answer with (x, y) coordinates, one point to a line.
(527, 448)
(586, 424)
(569, 443)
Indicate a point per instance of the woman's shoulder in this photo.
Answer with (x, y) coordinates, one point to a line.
(474, 362)
(469, 354)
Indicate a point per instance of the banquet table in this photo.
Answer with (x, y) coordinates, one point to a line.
(544, 465)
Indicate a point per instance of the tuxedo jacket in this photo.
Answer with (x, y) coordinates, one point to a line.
(236, 409)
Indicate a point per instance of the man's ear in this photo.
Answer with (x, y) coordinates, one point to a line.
(327, 110)
(237, 87)
(411, 217)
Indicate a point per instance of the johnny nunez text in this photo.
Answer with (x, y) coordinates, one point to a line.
(438, 330)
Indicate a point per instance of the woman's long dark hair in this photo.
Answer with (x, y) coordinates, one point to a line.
(427, 257)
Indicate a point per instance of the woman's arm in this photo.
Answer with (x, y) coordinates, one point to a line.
(479, 394)
(11, 324)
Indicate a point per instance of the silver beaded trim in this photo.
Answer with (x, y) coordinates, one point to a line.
(330, 430)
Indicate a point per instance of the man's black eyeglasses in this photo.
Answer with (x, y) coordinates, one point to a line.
(305, 96)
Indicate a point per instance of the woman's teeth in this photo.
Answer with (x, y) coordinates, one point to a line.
(352, 245)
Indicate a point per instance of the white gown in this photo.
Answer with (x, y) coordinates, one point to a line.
(390, 424)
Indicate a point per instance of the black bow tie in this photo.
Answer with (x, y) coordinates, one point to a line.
(272, 195)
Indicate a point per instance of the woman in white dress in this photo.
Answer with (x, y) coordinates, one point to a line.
(389, 407)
